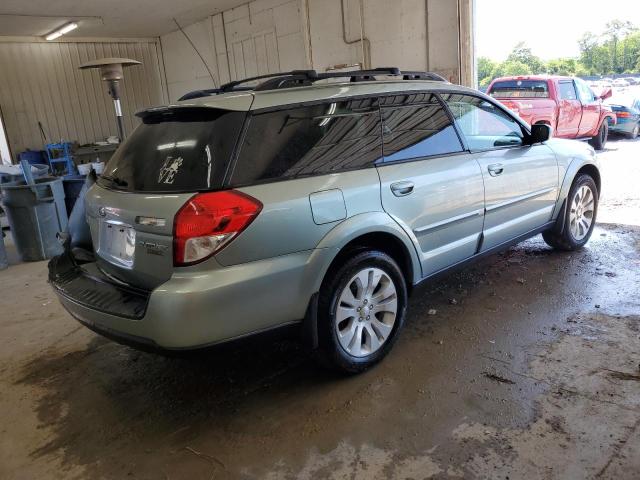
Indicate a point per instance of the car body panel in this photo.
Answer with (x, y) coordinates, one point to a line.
(572, 157)
(192, 310)
(153, 257)
(286, 224)
(445, 210)
(522, 196)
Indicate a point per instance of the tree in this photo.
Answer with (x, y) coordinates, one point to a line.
(513, 68)
(615, 30)
(617, 50)
(631, 52)
(523, 54)
(562, 66)
(588, 43)
(486, 69)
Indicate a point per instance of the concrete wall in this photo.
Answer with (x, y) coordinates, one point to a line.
(266, 36)
(262, 36)
(40, 82)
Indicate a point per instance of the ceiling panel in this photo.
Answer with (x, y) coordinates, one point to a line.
(106, 18)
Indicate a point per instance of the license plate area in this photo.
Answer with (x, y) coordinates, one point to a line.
(117, 243)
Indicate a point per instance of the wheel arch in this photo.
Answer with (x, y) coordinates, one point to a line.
(375, 230)
(591, 170)
(382, 241)
(575, 168)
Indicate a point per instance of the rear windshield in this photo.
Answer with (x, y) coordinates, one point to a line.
(520, 89)
(179, 150)
(621, 100)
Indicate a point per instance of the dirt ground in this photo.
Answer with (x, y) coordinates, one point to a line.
(529, 368)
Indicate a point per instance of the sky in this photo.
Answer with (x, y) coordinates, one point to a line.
(501, 24)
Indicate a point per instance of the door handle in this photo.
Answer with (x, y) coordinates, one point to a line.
(495, 169)
(400, 189)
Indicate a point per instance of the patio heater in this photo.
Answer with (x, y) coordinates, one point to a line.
(111, 71)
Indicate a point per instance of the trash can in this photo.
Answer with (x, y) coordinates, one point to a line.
(4, 262)
(13, 173)
(72, 186)
(36, 213)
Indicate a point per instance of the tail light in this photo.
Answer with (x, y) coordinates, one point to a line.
(208, 222)
(623, 114)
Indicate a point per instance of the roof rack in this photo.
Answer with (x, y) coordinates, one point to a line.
(298, 78)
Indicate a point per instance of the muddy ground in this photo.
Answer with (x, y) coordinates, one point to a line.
(529, 368)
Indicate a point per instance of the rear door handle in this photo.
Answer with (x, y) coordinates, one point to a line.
(400, 189)
(495, 169)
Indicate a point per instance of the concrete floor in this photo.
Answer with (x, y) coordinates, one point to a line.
(528, 369)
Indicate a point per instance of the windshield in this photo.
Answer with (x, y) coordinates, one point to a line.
(520, 89)
(175, 150)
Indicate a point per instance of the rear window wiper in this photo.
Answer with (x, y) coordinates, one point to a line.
(115, 180)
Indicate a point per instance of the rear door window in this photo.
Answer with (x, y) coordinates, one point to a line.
(176, 150)
(312, 140)
(520, 89)
(418, 126)
(567, 91)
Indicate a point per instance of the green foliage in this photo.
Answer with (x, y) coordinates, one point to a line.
(617, 50)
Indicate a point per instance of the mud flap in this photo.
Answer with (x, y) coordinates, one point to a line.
(310, 324)
(559, 225)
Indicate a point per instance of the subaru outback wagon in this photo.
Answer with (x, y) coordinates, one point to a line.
(319, 203)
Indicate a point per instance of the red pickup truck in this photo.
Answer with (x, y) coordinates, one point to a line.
(566, 104)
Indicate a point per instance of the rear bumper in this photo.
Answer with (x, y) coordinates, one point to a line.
(193, 309)
(624, 126)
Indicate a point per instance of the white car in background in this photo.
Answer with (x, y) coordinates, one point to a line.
(620, 83)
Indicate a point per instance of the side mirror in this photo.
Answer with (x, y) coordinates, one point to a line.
(607, 93)
(539, 133)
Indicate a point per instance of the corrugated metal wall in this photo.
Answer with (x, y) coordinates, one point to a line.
(41, 82)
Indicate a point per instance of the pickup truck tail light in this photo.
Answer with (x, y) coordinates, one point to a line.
(210, 221)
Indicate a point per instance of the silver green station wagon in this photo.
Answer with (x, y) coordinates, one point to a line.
(313, 199)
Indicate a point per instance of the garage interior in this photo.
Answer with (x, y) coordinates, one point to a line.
(524, 365)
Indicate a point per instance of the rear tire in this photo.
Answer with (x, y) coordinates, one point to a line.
(579, 217)
(635, 132)
(361, 309)
(598, 142)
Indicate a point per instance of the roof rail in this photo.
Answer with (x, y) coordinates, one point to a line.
(227, 87)
(298, 78)
(423, 76)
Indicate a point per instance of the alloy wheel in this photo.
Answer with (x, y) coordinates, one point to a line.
(581, 213)
(366, 312)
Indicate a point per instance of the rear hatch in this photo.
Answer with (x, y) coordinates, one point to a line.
(172, 155)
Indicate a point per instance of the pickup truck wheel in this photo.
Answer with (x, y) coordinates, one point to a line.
(635, 132)
(361, 309)
(580, 217)
(600, 139)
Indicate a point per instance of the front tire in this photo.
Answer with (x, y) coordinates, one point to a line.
(580, 216)
(635, 132)
(361, 310)
(600, 139)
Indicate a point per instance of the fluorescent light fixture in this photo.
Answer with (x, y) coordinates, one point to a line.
(61, 31)
(181, 144)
